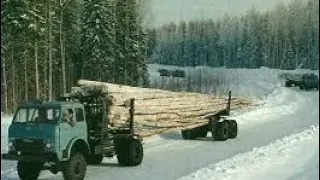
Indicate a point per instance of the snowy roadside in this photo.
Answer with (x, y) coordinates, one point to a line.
(293, 157)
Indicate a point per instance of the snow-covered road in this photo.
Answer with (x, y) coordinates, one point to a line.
(293, 157)
(287, 112)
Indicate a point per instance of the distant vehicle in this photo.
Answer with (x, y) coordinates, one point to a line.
(164, 72)
(304, 81)
(175, 73)
(178, 73)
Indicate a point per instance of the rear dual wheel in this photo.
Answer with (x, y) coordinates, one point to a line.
(130, 153)
(227, 129)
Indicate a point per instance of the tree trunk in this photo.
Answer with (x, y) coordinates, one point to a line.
(5, 86)
(37, 69)
(62, 51)
(45, 60)
(25, 77)
(13, 81)
(50, 51)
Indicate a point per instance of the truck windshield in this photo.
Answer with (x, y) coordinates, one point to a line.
(37, 115)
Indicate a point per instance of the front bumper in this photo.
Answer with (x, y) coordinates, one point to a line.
(48, 157)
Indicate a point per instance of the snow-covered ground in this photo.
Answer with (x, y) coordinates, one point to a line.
(270, 138)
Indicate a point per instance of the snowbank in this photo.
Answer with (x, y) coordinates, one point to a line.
(5, 123)
(281, 102)
(299, 151)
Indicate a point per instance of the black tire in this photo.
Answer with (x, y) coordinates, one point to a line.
(75, 168)
(136, 152)
(222, 131)
(202, 133)
(29, 170)
(302, 87)
(288, 84)
(132, 154)
(95, 159)
(189, 134)
(233, 129)
(198, 132)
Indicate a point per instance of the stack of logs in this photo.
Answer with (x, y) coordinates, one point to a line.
(159, 111)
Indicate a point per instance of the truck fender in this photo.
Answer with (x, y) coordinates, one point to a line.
(76, 141)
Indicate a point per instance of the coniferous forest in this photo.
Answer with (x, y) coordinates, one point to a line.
(285, 38)
(46, 46)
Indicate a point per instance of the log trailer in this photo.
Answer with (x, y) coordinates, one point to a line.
(42, 138)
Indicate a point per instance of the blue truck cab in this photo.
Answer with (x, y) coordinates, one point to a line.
(67, 134)
(40, 133)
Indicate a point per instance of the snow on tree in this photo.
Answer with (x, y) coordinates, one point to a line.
(98, 40)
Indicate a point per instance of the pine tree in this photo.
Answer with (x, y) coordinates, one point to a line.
(97, 40)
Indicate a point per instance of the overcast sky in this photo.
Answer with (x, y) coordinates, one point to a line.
(164, 11)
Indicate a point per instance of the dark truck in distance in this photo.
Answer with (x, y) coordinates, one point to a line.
(304, 81)
(66, 135)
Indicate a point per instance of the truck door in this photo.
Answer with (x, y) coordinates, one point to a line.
(81, 124)
(67, 130)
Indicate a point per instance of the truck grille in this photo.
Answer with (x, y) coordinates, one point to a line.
(30, 146)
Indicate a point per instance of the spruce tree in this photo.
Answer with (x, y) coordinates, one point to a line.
(97, 40)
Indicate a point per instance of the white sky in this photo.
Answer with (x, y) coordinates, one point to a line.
(164, 11)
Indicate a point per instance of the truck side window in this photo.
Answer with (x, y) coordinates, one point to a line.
(79, 115)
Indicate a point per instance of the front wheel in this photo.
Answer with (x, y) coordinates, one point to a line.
(29, 170)
(75, 168)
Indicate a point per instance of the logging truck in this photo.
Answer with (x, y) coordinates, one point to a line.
(99, 120)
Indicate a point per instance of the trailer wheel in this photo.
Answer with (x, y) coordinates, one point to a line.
(95, 159)
(222, 131)
(302, 87)
(194, 133)
(288, 84)
(29, 170)
(75, 168)
(202, 131)
(189, 134)
(233, 129)
(131, 154)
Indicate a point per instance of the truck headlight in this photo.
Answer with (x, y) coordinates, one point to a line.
(48, 146)
(11, 145)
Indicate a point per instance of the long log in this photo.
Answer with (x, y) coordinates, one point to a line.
(160, 111)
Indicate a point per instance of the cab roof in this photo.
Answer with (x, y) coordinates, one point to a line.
(54, 104)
